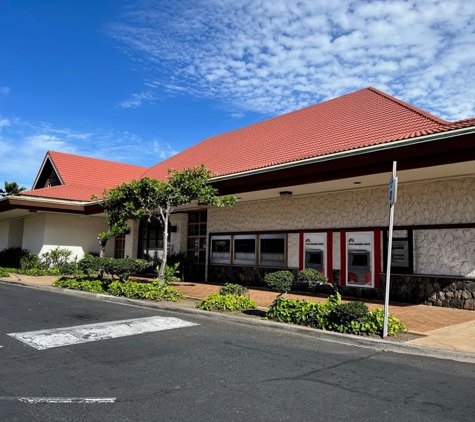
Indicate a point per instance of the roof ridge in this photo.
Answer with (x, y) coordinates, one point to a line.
(412, 108)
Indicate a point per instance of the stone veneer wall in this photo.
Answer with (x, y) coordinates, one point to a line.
(448, 201)
(449, 252)
(428, 290)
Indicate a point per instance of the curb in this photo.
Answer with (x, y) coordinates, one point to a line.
(345, 339)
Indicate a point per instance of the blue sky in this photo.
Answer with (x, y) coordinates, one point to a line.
(137, 81)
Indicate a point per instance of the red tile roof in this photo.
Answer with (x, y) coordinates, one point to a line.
(363, 118)
(84, 176)
(67, 192)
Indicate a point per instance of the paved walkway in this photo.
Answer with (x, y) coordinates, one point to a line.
(445, 328)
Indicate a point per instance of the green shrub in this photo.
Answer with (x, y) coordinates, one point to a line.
(90, 264)
(11, 257)
(122, 268)
(115, 288)
(84, 284)
(56, 257)
(372, 324)
(303, 312)
(171, 273)
(343, 316)
(169, 294)
(280, 281)
(234, 289)
(352, 317)
(311, 276)
(116, 268)
(225, 303)
(4, 272)
(129, 289)
(33, 271)
(152, 291)
(30, 261)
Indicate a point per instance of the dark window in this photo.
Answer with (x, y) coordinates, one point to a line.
(272, 249)
(119, 246)
(359, 260)
(150, 239)
(314, 259)
(245, 249)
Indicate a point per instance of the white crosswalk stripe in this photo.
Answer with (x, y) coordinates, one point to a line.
(59, 400)
(57, 337)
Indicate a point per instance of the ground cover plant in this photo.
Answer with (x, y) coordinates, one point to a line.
(225, 303)
(131, 289)
(231, 298)
(332, 315)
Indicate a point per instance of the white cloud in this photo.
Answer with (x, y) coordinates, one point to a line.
(273, 56)
(136, 100)
(4, 123)
(4, 90)
(23, 146)
(163, 150)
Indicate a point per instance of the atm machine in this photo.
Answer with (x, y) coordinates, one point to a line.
(317, 252)
(361, 258)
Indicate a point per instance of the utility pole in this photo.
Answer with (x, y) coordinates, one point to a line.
(392, 196)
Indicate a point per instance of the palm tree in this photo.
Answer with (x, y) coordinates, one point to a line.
(11, 188)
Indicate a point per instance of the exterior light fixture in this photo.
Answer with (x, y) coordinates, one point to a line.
(285, 194)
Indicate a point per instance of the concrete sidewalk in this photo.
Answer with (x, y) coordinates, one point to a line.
(440, 328)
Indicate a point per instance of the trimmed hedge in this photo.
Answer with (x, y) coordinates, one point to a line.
(234, 289)
(116, 268)
(225, 303)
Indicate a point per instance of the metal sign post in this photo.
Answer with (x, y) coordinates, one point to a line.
(392, 196)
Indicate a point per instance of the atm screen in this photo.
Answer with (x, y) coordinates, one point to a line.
(359, 260)
(315, 258)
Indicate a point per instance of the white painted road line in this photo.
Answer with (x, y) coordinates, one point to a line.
(59, 400)
(57, 337)
(56, 400)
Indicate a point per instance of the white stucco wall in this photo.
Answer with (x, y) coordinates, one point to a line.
(4, 231)
(179, 238)
(132, 240)
(73, 232)
(443, 252)
(34, 232)
(15, 237)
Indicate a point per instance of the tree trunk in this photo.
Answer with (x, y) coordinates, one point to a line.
(161, 273)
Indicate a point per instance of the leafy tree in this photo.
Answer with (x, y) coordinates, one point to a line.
(150, 198)
(11, 188)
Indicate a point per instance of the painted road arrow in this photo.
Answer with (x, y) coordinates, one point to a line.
(58, 337)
